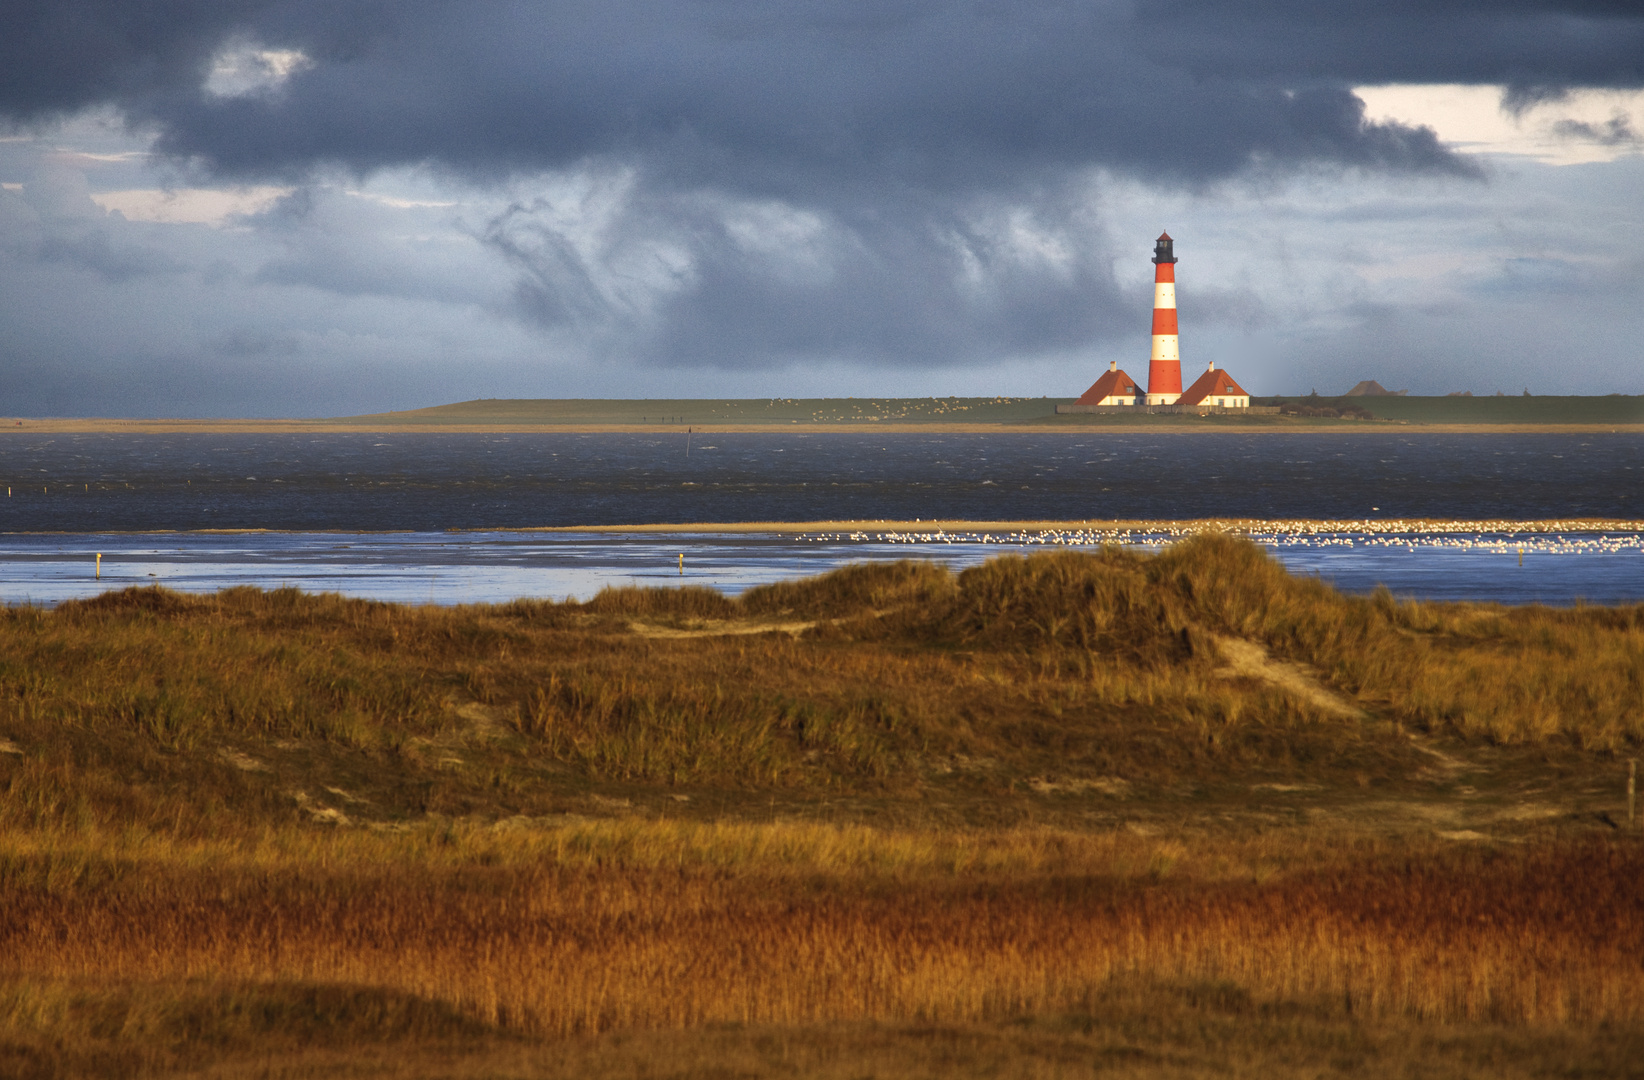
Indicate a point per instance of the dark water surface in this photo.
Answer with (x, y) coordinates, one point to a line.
(367, 515)
(115, 483)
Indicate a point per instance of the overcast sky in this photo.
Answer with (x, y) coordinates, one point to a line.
(326, 207)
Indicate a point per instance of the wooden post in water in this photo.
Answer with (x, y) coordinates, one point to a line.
(99, 566)
(681, 564)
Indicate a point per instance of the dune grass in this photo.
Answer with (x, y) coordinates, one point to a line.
(1003, 805)
(888, 668)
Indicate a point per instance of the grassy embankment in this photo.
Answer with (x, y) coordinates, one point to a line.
(1613, 408)
(1313, 413)
(666, 413)
(1172, 815)
(903, 415)
(1608, 409)
(1302, 413)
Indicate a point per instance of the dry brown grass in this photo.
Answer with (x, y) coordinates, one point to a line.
(173, 875)
(1111, 629)
(1134, 1029)
(566, 932)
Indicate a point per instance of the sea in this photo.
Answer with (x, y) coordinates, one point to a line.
(447, 518)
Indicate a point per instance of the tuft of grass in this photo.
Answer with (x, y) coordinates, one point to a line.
(863, 589)
(684, 603)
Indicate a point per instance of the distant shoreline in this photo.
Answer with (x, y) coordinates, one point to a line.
(1106, 426)
(998, 415)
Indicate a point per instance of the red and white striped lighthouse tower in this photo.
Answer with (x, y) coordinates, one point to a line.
(1164, 369)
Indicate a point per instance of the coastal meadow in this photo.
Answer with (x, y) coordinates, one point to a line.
(1060, 803)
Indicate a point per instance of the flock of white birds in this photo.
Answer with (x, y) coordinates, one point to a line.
(1588, 537)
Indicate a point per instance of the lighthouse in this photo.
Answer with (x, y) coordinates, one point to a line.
(1214, 391)
(1164, 369)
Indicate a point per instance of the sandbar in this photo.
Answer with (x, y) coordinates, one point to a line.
(1242, 526)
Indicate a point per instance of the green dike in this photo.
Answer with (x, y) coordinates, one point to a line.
(668, 412)
(1608, 409)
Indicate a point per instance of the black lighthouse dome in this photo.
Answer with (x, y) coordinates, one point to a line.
(1162, 250)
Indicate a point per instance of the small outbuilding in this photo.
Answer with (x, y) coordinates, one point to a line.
(1114, 388)
(1215, 387)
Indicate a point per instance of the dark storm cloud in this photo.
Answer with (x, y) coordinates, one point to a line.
(1533, 46)
(901, 125)
(800, 94)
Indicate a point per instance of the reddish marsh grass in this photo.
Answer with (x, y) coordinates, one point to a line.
(1541, 936)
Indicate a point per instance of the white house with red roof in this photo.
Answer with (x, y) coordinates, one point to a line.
(1215, 387)
(1114, 388)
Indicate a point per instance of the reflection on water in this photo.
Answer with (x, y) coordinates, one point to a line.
(445, 568)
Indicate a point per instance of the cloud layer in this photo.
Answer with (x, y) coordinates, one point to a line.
(791, 100)
(726, 186)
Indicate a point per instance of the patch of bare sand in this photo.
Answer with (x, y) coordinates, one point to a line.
(727, 628)
(1246, 659)
(318, 813)
(1443, 768)
(485, 721)
(1529, 812)
(243, 762)
(1448, 821)
(1104, 785)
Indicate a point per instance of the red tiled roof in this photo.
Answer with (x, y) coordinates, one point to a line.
(1214, 382)
(1112, 384)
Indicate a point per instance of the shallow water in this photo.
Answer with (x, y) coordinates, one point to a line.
(446, 568)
